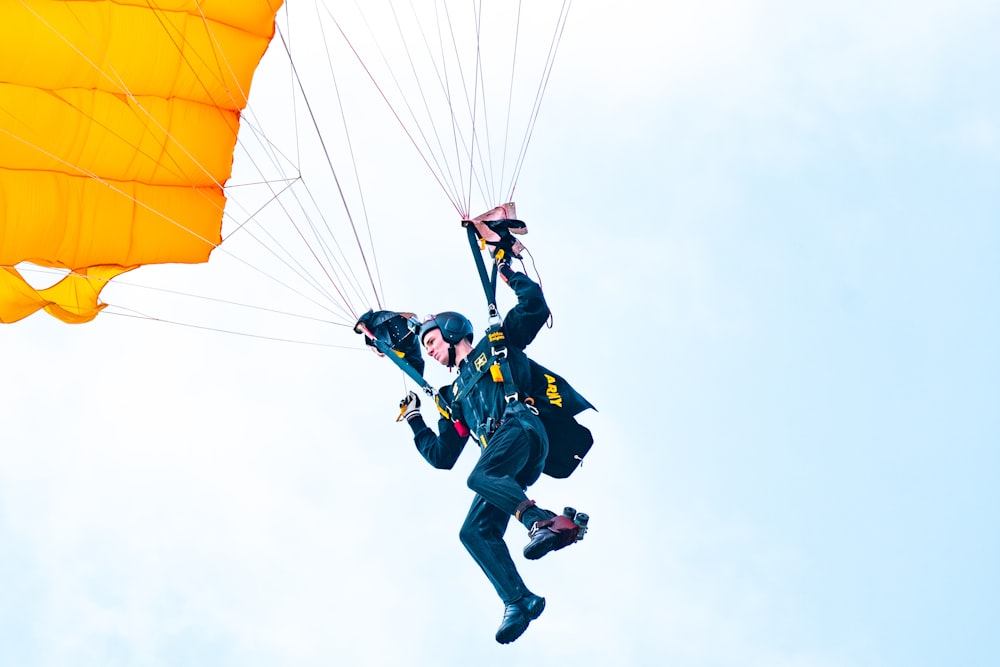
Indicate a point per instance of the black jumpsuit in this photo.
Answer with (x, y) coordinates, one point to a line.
(513, 444)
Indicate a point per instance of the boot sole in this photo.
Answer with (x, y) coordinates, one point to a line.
(531, 615)
(539, 549)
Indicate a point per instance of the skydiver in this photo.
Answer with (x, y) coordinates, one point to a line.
(512, 438)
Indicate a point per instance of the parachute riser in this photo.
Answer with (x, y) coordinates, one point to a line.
(385, 350)
(488, 280)
(504, 248)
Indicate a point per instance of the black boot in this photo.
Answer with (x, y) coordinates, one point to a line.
(551, 535)
(517, 615)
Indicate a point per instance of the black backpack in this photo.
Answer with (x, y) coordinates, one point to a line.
(558, 404)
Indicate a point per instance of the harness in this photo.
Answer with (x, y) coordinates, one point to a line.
(497, 366)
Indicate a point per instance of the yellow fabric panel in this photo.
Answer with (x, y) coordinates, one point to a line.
(74, 299)
(251, 16)
(126, 49)
(93, 133)
(71, 222)
(117, 129)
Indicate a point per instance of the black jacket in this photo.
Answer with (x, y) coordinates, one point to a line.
(482, 400)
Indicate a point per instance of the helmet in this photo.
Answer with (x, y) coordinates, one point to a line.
(454, 326)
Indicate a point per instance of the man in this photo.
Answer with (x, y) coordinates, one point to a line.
(488, 402)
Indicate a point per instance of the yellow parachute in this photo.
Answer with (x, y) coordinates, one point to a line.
(118, 121)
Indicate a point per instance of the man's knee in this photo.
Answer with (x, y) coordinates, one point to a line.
(476, 481)
(474, 533)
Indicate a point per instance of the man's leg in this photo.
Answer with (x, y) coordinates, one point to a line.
(511, 462)
(482, 535)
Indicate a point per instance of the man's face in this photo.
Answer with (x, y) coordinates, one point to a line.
(436, 346)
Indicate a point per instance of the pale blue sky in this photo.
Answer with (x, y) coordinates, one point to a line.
(770, 236)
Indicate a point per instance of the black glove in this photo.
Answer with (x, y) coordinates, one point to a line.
(409, 407)
(503, 266)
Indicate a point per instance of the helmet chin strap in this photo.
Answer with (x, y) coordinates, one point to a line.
(451, 355)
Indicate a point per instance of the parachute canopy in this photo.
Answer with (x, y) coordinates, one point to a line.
(118, 122)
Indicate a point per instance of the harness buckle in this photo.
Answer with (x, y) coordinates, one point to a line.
(490, 426)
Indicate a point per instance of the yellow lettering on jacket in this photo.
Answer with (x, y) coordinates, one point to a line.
(495, 336)
(480, 361)
(552, 391)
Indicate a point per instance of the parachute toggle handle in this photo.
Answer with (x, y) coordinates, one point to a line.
(505, 245)
(386, 350)
(499, 224)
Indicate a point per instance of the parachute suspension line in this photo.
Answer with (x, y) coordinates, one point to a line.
(543, 84)
(291, 90)
(477, 82)
(141, 316)
(268, 149)
(139, 149)
(171, 34)
(395, 113)
(454, 191)
(274, 196)
(109, 184)
(485, 179)
(446, 171)
(336, 180)
(379, 293)
(458, 137)
(288, 258)
(350, 278)
(510, 100)
(446, 90)
(179, 40)
(469, 150)
(302, 272)
(124, 283)
(277, 159)
(113, 187)
(461, 147)
(284, 256)
(244, 94)
(227, 302)
(167, 163)
(120, 84)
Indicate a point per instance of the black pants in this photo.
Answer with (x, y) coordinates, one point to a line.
(508, 465)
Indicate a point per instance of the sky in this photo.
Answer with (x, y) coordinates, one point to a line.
(769, 234)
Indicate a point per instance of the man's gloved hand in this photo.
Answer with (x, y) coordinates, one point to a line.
(501, 257)
(409, 407)
(503, 268)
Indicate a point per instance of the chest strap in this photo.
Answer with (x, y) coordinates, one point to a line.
(495, 364)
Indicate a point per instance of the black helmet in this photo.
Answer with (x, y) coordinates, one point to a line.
(454, 326)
